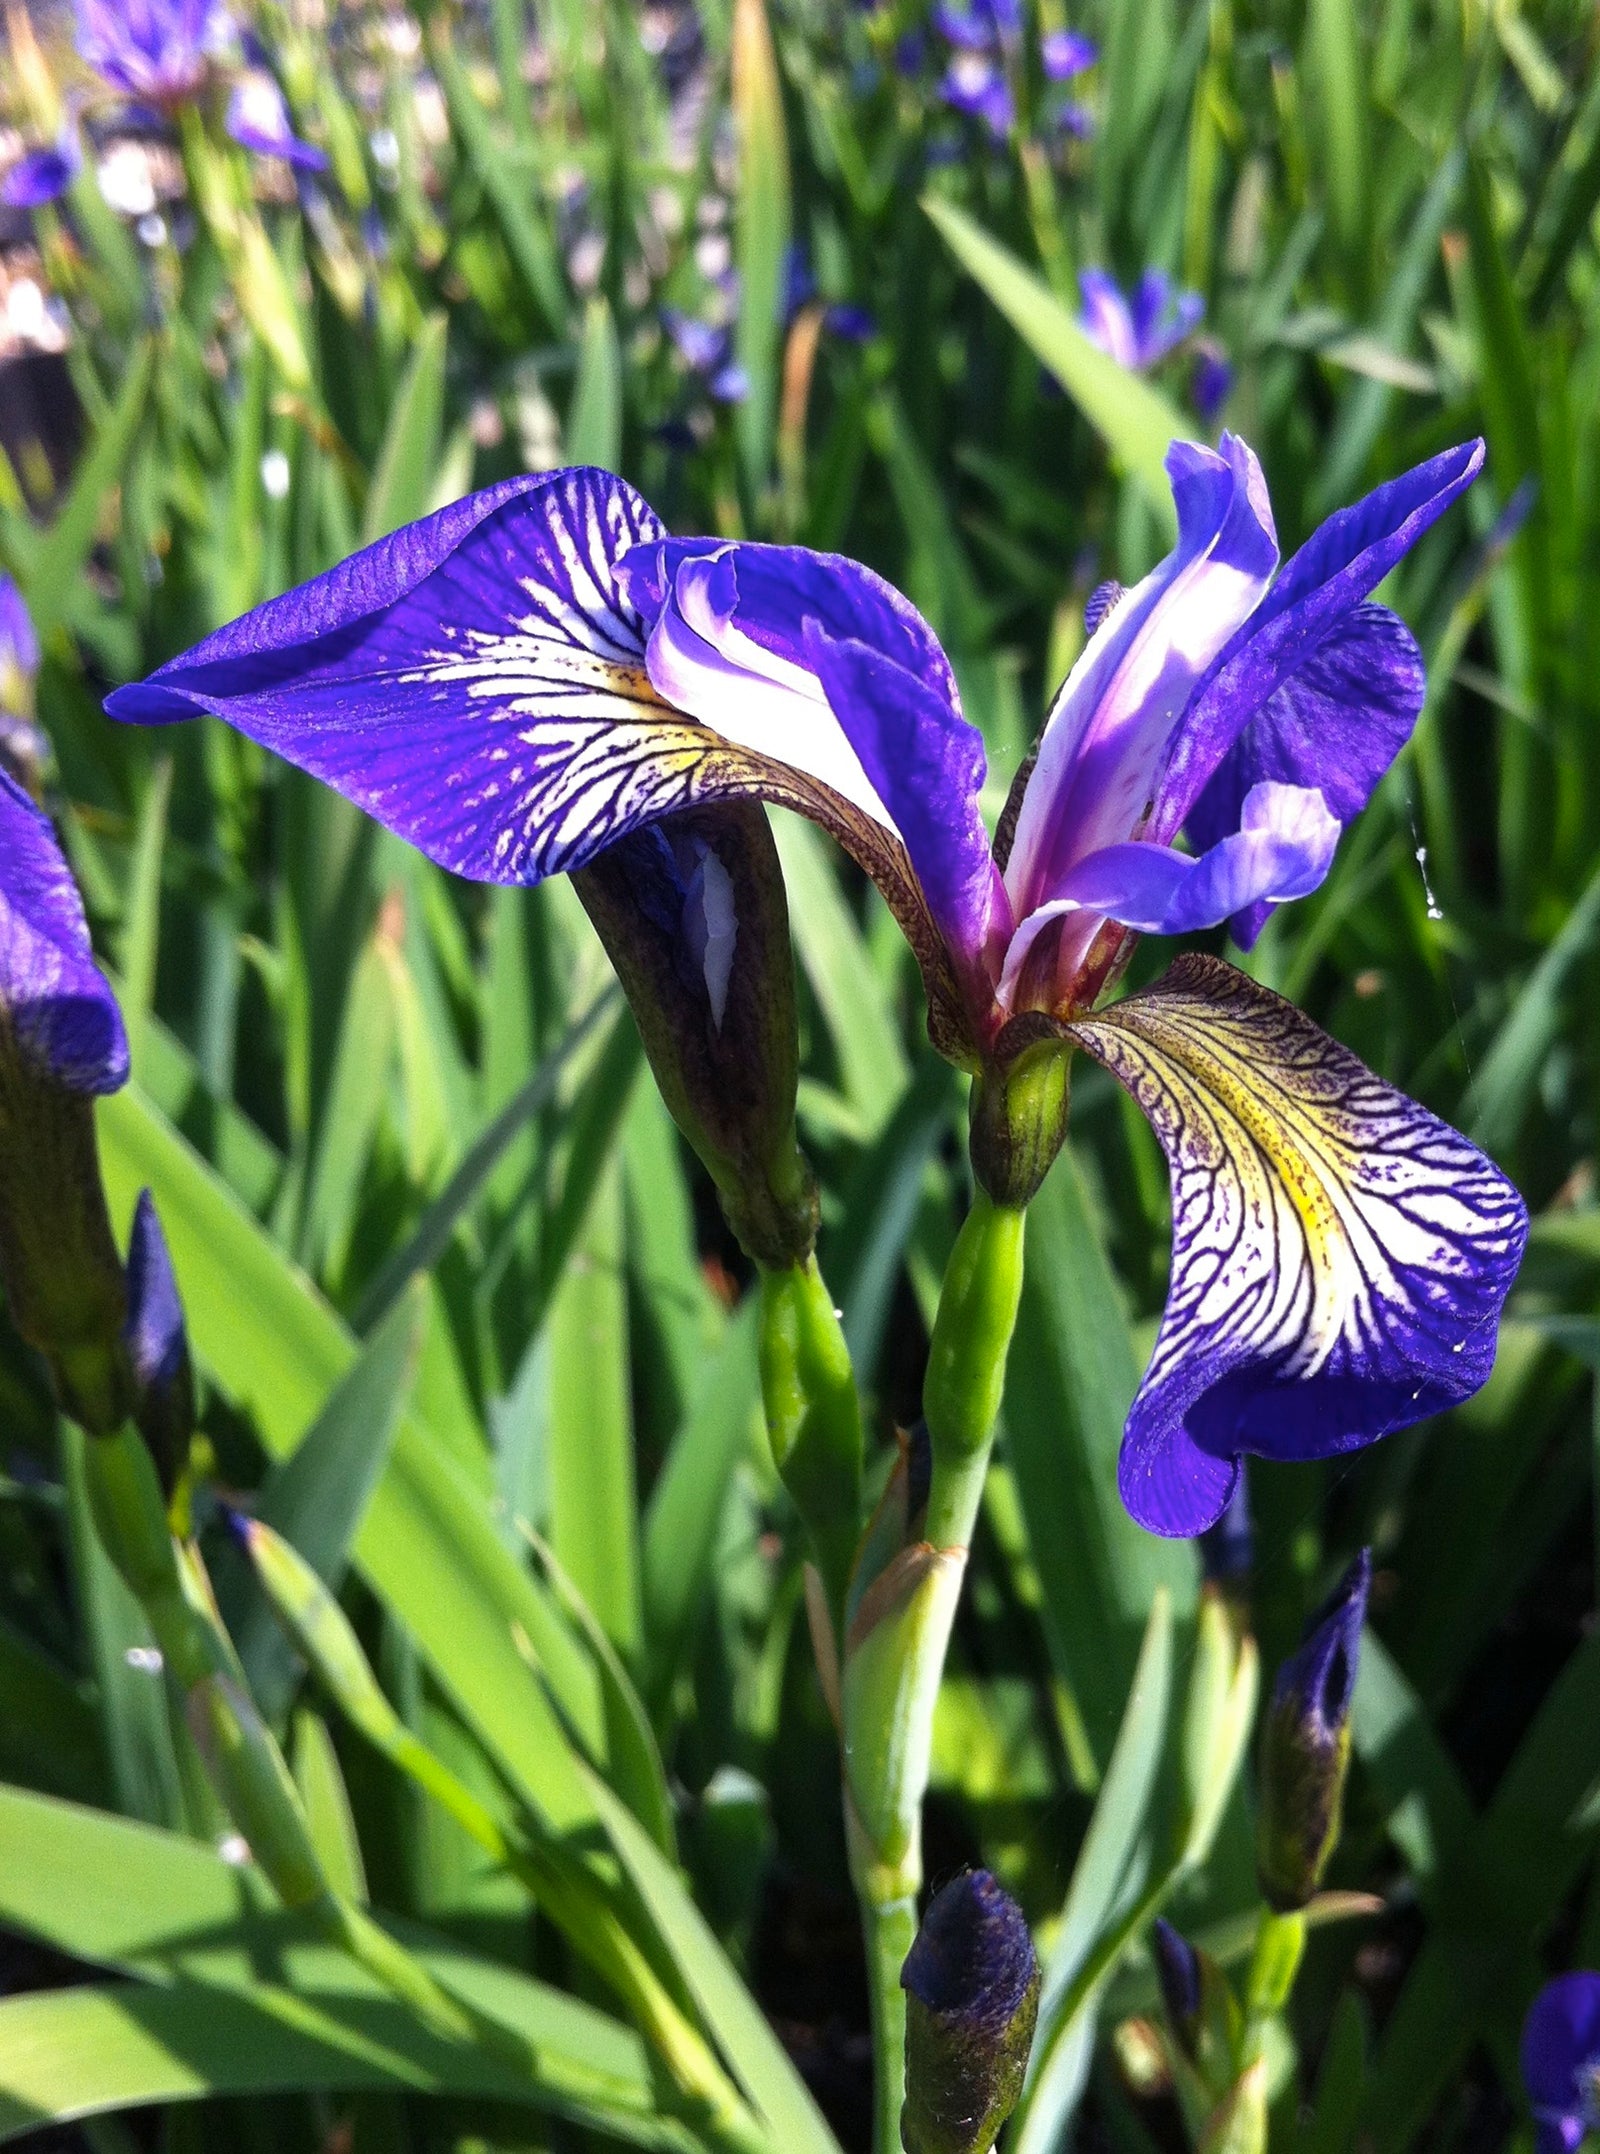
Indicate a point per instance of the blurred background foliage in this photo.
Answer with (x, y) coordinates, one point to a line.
(470, 1330)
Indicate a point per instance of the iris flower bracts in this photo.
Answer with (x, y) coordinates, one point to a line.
(533, 675)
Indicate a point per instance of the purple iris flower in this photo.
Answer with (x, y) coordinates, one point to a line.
(854, 324)
(977, 86)
(56, 1008)
(19, 645)
(42, 175)
(258, 119)
(1561, 2062)
(158, 52)
(532, 674)
(1137, 333)
(706, 349)
(1065, 53)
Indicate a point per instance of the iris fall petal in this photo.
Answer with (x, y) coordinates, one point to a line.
(1340, 1256)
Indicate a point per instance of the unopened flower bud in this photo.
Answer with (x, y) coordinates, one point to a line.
(972, 1984)
(61, 1043)
(1305, 1747)
(694, 918)
(158, 1343)
(1178, 1972)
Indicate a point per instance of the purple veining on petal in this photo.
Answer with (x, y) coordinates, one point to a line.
(54, 1000)
(1340, 1256)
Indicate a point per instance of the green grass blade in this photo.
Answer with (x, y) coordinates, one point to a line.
(1135, 421)
(1071, 1378)
(402, 482)
(317, 1497)
(594, 426)
(761, 228)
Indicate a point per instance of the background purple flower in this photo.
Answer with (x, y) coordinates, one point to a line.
(1561, 2061)
(706, 349)
(1212, 381)
(1065, 53)
(1140, 332)
(19, 644)
(258, 119)
(159, 51)
(42, 175)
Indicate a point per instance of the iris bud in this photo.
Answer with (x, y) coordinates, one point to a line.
(972, 1984)
(1305, 1748)
(61, 1043)
(694, 918)
(157, 1343)
(1178, 1972)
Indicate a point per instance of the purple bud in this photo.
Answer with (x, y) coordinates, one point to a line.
(854, 324)
(1305, 1747)
(258, 120)
(157, 1343)
(972, 1985)
(1178, 1971)
(1212, 380)
(1561, 2061)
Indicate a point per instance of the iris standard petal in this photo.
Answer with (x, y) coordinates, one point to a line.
(1108, 731)
(1357, 700)
(1340, 1256)
(1283, 849)
(929, 767)
(1337, 724)
(816, 664)
(54, 1000)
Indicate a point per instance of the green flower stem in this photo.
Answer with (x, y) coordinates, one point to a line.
(901, 1621)
(813, 1417)
(967, 1365)
(1280, 1946)
(889, 1927)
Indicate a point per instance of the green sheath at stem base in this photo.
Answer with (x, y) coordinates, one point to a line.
(900, 1627)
